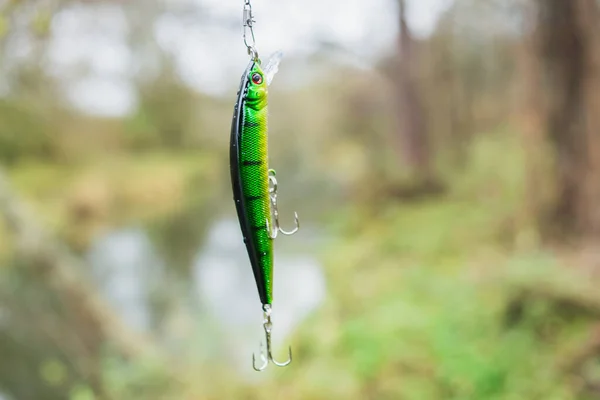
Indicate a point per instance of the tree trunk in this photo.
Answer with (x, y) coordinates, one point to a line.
(589, 12)
(413, 132)
(533, 121)
(564, 103)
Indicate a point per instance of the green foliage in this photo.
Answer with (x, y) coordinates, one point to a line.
(23, 132)
(147, 378)
(417, 306)
(81, 392)
(53, 372)
(4, 25)
(165, 115)
(41, 22)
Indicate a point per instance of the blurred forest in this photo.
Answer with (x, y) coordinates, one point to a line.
(451, 195)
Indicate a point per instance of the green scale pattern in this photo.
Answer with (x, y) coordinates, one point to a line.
(254, 180)
(255, 186)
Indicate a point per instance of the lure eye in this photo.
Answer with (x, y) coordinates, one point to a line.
(257, 78)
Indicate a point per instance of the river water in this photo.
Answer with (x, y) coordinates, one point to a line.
(221, 288)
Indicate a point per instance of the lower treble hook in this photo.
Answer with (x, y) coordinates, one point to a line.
(268, 357)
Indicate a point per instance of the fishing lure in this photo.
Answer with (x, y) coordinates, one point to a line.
(254, 185)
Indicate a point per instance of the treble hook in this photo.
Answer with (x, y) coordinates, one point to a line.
(273, 231)
(268, 326)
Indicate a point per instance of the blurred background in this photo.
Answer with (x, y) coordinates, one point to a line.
(443, 157)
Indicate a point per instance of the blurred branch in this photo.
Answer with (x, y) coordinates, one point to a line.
(566, 298)
(58, 267)
(578, 301)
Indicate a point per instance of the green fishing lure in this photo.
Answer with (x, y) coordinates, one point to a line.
(253, 184)
(250, 175)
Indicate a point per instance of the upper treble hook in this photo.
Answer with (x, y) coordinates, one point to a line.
(276, 228)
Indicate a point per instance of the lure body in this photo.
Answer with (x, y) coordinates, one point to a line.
(250, 175)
